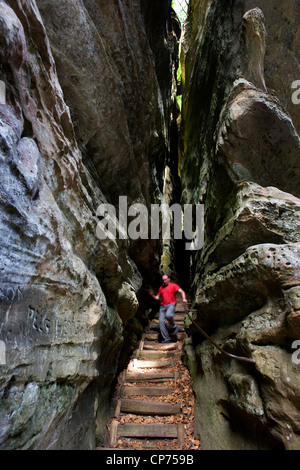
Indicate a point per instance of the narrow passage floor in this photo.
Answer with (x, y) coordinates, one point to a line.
(153, 405)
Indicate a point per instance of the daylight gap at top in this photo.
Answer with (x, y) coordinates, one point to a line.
(181, 8)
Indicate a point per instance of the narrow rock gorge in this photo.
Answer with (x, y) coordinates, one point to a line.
(89, 113)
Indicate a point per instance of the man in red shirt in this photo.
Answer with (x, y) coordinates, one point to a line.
(166, 294)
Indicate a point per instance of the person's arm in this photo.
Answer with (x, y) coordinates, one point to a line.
(183, 296)
(151, 293)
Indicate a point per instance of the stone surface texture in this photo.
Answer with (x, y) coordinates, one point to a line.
(88, 113)
(240, 157)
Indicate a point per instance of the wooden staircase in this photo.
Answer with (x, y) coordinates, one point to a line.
(149, 400)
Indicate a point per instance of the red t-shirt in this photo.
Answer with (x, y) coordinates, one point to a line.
(168, 293)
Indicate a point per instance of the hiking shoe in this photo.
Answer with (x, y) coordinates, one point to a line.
(175, 330)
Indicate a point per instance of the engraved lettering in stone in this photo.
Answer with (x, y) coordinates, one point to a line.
(20, 294)
(39, 321)
(11, 294)
(31, 312)
(47, 326)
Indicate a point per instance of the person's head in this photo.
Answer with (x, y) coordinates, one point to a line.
(165, 279)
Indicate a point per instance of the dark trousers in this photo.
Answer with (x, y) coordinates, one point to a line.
(166, 312)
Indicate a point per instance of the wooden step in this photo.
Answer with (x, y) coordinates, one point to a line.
(178, 317)
(144, 364)
(156, 430)
(151, 336)
(155, 321)
(150, 376)
(154, 335)
(150, 354)
(149, 408)
(159, 346)
(140, 431)
(155, 391)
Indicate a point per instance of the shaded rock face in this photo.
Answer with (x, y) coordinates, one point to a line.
(101, 49)
(240, 156)
(78, 129)
(282, 50)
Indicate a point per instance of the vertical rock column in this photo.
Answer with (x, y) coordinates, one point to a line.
(240, 157)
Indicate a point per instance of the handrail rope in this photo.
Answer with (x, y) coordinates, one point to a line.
(232, 356)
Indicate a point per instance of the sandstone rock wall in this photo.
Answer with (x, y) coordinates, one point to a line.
(86, 119)
(240, 156)
(282, 57)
